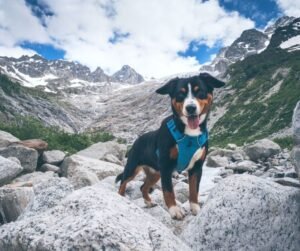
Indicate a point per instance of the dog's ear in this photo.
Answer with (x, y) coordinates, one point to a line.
(167, 88)
(211, 81)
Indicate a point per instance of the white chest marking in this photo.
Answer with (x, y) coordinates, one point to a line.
(192, 132)
(197, 155)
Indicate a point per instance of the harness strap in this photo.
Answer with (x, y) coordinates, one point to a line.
(187, 145)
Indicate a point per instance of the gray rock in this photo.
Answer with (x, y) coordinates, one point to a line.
(157, 211)
(8, 170)
(53, 157)
(104, 150)
(27, 156)
(34, 178)
(13, 202)
(182, 191)
(244, 212)
(225, 173)
(83, 171)
(6, 138)
(112, 159)
(221, 152)
(47, 194)
(133, 190)
(295, 157)
(217, 161)
(296, 124)
(92, 218)
(14, 159)
(48, 167)
(237, 156)
(244, 166)
(262, 149)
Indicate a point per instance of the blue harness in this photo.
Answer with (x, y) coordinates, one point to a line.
(187, 145)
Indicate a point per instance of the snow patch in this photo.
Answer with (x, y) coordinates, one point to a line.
(294, 41)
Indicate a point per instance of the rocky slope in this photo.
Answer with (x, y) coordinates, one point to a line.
(17, 100)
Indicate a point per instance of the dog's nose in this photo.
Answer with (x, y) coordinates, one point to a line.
(191, 109)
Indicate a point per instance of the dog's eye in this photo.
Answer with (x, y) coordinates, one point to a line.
(202, 95)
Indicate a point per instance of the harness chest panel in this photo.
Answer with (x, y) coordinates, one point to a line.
(187, 145)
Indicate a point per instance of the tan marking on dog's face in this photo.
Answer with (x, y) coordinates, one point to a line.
(183, 90)
(178, 106)
(205, 103)
(174, 152)
(196, 88)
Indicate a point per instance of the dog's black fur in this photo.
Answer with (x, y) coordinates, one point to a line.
(143, 154)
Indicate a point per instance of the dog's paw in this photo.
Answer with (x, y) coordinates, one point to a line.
(195, 208)
(150, 204)
(176, 212)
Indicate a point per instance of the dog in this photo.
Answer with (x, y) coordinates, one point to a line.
(181, 142)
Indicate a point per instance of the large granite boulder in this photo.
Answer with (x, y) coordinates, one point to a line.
(31, 179)
(8, 170)
(244, 212)
(262, 149)
(47, 194)
(108, 151)
(91, 218)
(217, 161)
(27, 156)
(83, 171)
(54, 157)
(6, 139)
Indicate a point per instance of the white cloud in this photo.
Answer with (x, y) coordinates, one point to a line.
(18, 24)
(289, 7)
(158, 30)
(15, 52)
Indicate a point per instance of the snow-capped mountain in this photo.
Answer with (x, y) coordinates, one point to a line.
(54, 75)
(253, 42)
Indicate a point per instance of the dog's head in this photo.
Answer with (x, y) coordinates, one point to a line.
(191, 97)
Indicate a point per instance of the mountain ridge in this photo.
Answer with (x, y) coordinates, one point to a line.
(37, 71)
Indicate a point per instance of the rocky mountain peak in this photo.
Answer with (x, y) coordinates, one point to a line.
(37, 57)
(127, 74)
(280, 22)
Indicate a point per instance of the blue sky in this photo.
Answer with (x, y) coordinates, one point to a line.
(157, 37)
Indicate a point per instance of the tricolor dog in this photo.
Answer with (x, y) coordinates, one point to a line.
(180, 144)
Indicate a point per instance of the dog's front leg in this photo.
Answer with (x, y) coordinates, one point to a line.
(194, 180)
(168, 192)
